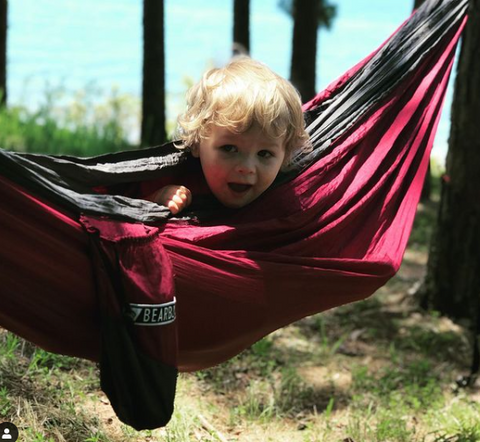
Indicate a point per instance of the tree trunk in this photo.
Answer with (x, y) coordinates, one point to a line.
(153, 94)
(304, 47)
(241, 26)
(453, 278)
(3, 51)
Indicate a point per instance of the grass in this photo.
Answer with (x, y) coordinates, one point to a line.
(369, 387)
(40, 392)
(381, 370)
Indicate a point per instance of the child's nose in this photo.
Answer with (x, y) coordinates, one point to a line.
(247, 166)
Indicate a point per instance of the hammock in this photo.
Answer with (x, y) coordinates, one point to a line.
(216, 280)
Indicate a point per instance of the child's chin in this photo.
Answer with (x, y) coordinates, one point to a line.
(236, 204)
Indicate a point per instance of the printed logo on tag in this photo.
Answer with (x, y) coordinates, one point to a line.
(153, 314)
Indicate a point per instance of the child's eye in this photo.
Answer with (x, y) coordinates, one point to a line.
(265, 154)
(229, 148)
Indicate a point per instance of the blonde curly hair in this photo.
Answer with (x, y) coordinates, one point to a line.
(243, 94)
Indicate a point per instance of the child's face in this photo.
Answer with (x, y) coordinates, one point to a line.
(239, 167)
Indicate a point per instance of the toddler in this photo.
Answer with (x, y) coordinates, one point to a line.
(244, 123)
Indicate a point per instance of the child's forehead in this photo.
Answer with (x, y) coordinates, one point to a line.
(223, 134)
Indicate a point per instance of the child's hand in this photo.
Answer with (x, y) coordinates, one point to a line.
(175, 197)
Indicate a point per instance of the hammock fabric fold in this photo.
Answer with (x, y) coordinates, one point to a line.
(330, 232)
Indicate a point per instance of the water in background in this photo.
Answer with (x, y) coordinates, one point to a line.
(79, 42)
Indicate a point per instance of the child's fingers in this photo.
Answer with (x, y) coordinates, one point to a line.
(184, 194)
(179, 200)
(176, 198)
(173, 207)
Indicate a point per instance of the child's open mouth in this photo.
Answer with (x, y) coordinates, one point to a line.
(239, 188)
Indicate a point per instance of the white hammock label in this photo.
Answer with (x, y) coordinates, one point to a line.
(153, 314)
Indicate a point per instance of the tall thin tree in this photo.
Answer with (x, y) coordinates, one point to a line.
(3, 51)
(308, 17)
(452, 284)
(153, 91)
(241, 26)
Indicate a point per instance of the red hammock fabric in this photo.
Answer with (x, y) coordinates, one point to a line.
(332, 235)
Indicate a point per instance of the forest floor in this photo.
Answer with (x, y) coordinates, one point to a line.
(377, 370)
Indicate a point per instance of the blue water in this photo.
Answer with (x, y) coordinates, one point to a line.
(79, 42)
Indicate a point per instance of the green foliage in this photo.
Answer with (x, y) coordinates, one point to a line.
(5, 404)
(426, 215)
(459, 423)
(423, 226)
(9, 344)
(42, 360)
(413, 385)
(274, 397)
(77, 125)
(432, 343)
(35, 436)
(260, 359)
(293, 394)
(178, 429)
(327, 347)
(469, 434)
(389, 427)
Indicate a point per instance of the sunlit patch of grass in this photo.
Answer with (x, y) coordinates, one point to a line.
(257, 403)
(180, 428)
(42, 360)
(40, 393)
(267, 399)
(262, 384)
(381, 426)
(458, 421)
(192, 419)
(9, 344)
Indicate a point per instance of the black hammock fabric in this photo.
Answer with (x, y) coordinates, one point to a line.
(191, 292)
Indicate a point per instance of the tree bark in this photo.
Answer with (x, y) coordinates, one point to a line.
(452, 283)
(304, 47)
(3, 51)
(241, 26)
(153, 93)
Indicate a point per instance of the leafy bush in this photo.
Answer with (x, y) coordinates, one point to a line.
(79, 125)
